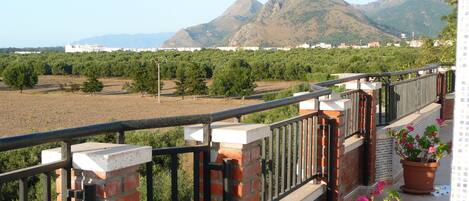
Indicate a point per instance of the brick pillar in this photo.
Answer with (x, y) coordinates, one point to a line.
(336, 111)
(112, 168)
(242, 144)
(372, 90)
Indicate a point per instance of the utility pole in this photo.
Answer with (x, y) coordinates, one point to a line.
(157, 62)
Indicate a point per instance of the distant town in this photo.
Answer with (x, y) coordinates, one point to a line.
(101, 48)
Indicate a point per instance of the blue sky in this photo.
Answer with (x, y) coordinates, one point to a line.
(34, 23)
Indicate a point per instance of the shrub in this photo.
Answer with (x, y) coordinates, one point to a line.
(92, 85)
(234, 79)
(20, 76)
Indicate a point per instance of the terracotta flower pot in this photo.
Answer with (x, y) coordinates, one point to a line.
(419, 177)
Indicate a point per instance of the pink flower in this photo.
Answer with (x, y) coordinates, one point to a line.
(440, 122)
(431, 150)
(379, 188)
(363, 198)
(417, 137)
(410, 145)
(410, 127)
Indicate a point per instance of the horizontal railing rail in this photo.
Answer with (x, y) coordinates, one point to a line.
(67, 135)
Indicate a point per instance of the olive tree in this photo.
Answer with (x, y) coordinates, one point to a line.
(233, 79)
(20, 76)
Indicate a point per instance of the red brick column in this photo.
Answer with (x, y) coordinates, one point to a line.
(372, 94)
(241, 143)
(336, 111)
(370, 140)
(337, 152)
(246, 171)
(111, 167)
(115, 185)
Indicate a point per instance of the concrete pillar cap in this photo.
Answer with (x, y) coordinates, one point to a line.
(101, 157)
(336, 105)
(225, 132)
(364, 86)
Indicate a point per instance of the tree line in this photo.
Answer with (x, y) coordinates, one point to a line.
(233, 73)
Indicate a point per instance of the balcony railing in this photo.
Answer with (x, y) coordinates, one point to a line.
(290, 156)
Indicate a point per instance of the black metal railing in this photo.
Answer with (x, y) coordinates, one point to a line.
(358, 113)
(290, 155)
(276, 167)
(408, 96)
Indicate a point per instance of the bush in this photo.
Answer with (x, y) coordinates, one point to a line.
(234, 79)
(92, 85)
(20, 76)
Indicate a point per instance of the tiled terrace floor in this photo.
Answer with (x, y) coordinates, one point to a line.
(443, 173)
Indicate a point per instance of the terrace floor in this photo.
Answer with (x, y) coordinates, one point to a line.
(443, 176)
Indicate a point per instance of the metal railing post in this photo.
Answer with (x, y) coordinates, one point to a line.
(149, 174)
(65, 173)
(207, 134)
(227, 179)
(121, 137)
(23, 192)
(47, 187)
(89, 192)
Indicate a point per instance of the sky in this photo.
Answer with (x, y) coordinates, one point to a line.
(45, 23)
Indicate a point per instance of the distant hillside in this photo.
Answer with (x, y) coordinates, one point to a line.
(293, 22)
(128, 40)
(216, 32)
(420, 16)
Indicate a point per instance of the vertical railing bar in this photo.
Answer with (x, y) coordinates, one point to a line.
(295, 151)
(300, 152)
(315, 144)
(310, 141)
(305, 150)
(47, 187)
(277, 158)
(174, 177)
(270, 165)
(23, 189)
(65, 173)
(264, 168)
(330, 168)
(206, 172)
(380, 104)
(289, 156)
(227, 179)
(207, 134)
(121, 137)
(149, 174)
(196, 170)
(283, 151)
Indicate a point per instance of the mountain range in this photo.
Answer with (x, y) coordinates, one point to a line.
(294, 22)
(215, 33)
(421, 17)
(128, 40)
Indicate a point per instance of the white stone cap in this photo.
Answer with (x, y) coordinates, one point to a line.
(443, 70)
(312, 104)
(332, 96)
(226, 132)
(336, 105)
(422, 72)
(364, 86)
(101, 157)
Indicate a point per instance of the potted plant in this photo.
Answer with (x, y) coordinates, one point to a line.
(420, 156)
